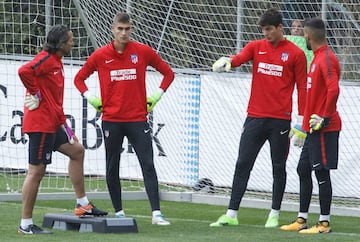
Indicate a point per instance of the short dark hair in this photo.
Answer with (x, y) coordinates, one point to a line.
(270, 17)
(121, 18)
(317, 28)
(57, 36)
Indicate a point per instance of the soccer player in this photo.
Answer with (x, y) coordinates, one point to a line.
(297, 37)
(121, 67)
(297, 28)
(278, 65)
(45, 124)
(322, 124)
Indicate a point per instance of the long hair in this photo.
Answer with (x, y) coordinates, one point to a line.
(57, 36)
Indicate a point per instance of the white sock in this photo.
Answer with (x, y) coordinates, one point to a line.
(303, 215)
(324, 217)
(232, 213)
(121, 212)
(156, 213)
(25, 222)
(274, 213)
(83, 201)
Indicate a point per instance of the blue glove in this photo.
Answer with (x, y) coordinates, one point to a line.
(316, 122)
(153, 99)
(299, 135)
(32, 101)
(94, 101)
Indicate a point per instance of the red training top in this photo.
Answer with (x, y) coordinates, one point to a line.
(275, 72)
(44, 73)
(122, 79)
(323, 89)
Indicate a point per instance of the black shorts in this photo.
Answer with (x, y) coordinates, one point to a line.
(323, 150)
(41, 146)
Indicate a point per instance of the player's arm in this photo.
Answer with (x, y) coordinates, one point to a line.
(330, 70)
(300, 70)
(83, 74)
(28, 78)
(226, 63)
(300, 67)
(168, 77)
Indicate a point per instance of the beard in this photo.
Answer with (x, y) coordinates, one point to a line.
(308, 46)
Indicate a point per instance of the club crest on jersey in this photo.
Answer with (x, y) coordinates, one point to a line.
(284, 56)
(134, 58)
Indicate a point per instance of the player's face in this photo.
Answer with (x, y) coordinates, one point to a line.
(272, 33)
(121, 32)
(67, 46)
(307, 38)
(296, 28)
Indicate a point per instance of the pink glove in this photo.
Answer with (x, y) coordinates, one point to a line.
(68, 132)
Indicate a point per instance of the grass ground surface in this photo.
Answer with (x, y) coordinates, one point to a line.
(189, 222)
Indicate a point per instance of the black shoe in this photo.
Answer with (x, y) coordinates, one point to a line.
(33, 229)
(88, 211)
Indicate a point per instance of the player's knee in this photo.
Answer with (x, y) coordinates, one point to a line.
(303, 170)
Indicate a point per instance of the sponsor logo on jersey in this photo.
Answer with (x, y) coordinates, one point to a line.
(270, 69)
(123, 75)
(308, 86)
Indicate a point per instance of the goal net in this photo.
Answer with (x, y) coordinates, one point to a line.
(196, 126)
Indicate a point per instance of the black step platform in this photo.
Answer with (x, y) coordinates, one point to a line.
(90, 224)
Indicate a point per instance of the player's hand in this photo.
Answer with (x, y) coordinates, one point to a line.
(153, 99)
(316, 122)
(222, 64)
(94, 101)
(69, 133)
(32, 101)
(299, 135)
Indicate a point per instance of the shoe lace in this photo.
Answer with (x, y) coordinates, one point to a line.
(34, 227)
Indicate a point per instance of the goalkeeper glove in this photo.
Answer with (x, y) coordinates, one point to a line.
(316, 122)
(94, 101)
(32, 101)
(299, 135)
(69, 133)
(153, 99)
(222, 64)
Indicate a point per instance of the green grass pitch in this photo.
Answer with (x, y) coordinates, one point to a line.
(189, 222)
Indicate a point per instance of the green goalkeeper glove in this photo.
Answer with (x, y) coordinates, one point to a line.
(222, 64)
(94, 101)
(153, 99)
(316, 122)
(299, 135)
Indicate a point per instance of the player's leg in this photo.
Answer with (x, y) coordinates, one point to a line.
(40, 152)
(304, 172)
(140, 138)
(279, 148)
(251, 141)
(75, 152)
(324, 148)
(113, 133)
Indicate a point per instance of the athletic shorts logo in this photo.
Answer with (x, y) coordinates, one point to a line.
(106, 133)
